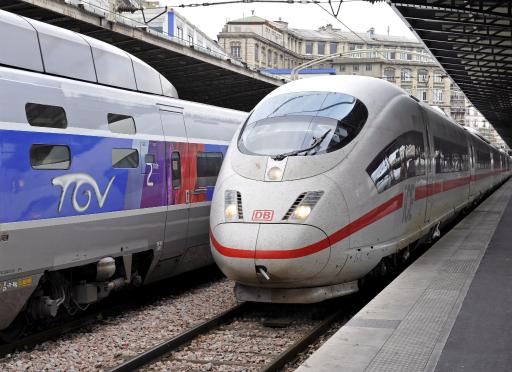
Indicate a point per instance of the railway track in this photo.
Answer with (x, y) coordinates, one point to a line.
(244, 338)
(118, 304)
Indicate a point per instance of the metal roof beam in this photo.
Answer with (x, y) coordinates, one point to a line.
(452, 7)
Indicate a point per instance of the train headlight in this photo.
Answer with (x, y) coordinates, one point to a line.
(275, 174)
(302, 212)
(303, 205)
(232, 205)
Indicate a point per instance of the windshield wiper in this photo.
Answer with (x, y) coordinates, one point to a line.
(315, 144)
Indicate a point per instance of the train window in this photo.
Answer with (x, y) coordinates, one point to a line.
(176, 169)
(450, 156)
(302, 123)
(125, 158)
(46, 116)
(401, 159)
(483, 156)
(50, 157)
(208, 167)
(121, 124)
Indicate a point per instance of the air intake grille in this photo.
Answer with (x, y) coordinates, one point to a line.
(294, 205)
(239, 204)
(312, 197)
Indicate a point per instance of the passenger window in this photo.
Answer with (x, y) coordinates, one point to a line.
(125, 158)
(208, 167)
(403, 158)
(121, 124)
(176, 169)
(50, 157)
(46, 116)
(450, 156)
(483, 156)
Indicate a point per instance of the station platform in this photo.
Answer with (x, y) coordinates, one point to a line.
(451, 310)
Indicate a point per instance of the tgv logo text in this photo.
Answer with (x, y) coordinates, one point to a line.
(80, 179)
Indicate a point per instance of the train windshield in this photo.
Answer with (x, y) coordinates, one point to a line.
(303, 123)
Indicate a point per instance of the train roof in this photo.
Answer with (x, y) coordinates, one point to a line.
(37, 46)
(365, 88)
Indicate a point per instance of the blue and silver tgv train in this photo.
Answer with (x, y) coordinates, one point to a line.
(106, 175)
(331, 177)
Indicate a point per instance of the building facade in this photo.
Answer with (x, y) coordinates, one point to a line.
(156, 18)
(273, 46)
(474, 119)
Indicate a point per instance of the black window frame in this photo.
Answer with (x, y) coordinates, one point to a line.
(111, 119)
(450, 156)
(133, 151)
(205, 179)
(396, 147)
(176, 173)
(33, 115)
(41, 166)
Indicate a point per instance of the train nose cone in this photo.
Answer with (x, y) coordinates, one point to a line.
(288, 253)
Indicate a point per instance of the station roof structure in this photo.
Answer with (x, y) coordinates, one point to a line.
(197, 76)
(472, 40)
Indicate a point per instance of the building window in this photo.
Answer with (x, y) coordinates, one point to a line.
(355, 67)
(256, 52)
(405, 74)
(321, 48)
(421, 94)
(389, 74)
(300, 47)
(309, 47)
(334, 48)
(46, 116)
(190, 39)
(368, 67)
(235, 49)
(208, 167)
(275, 59)
(50, 157)
(263, 55)
(179, 32)
(125, 158)
(121, 124)
(269, 58)
(342, 68)
(438, 95)
(422, 76)
(438, 77)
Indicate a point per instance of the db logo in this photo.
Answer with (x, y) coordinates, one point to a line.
(262, 215)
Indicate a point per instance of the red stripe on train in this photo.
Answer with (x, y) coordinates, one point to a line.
(374, 215)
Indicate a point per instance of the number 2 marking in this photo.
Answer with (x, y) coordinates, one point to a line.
(148, 182)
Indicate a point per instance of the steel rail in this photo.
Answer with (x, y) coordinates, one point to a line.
(294, 350)
(175, 342)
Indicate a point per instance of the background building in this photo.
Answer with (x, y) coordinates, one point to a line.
(274, 47)
(476, 120)
(157, 19)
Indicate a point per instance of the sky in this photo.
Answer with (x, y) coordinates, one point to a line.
(358, 15)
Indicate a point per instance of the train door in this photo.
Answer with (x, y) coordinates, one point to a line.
(473, 192)
(177, 172)
(429, 166)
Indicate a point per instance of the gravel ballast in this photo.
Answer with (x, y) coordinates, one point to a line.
(111, 341)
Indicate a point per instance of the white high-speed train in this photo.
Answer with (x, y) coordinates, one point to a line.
(332, 178)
